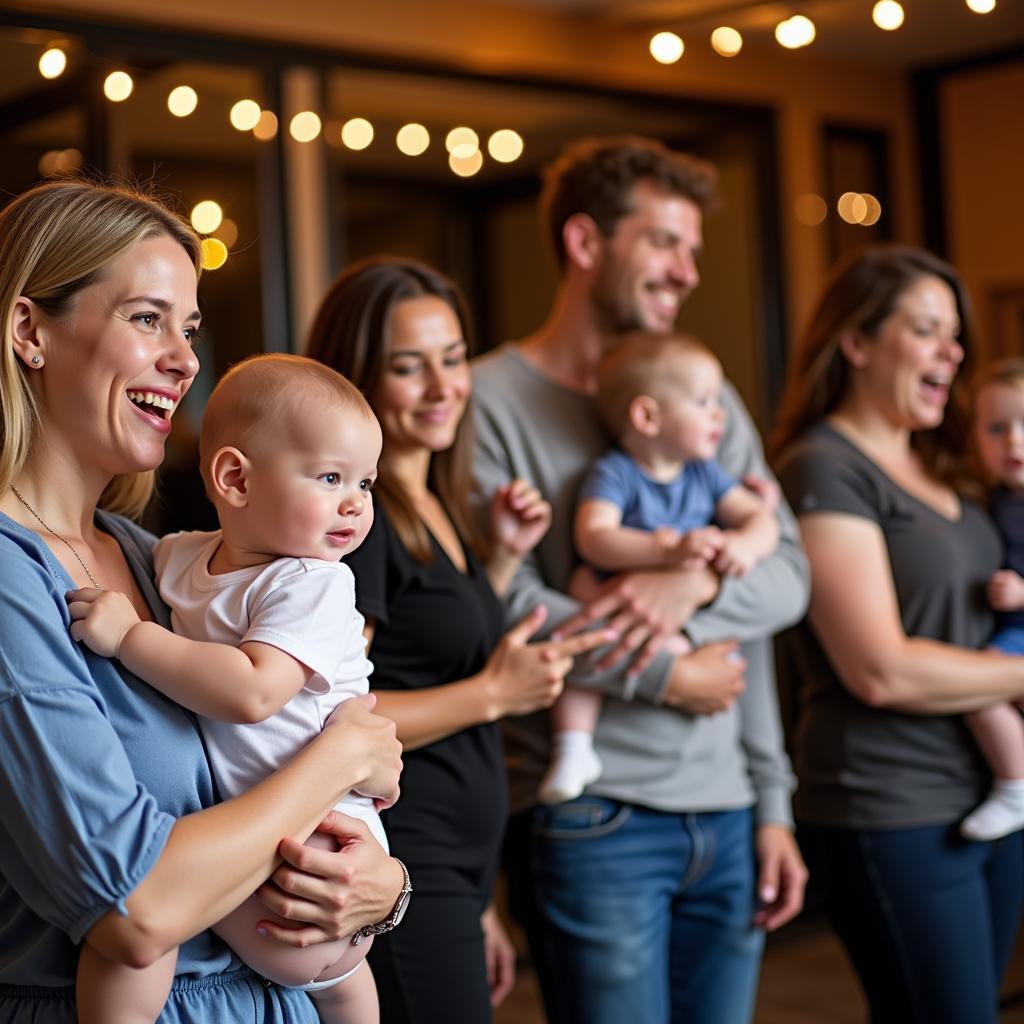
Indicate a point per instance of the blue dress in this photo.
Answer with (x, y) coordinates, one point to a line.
(95, 766)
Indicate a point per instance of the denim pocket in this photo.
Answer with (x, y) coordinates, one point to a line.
(586, 817)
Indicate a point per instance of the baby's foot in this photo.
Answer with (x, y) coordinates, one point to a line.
(574, 765)
(1001, 814)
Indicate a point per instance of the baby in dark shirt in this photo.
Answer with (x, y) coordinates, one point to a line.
(998, 435)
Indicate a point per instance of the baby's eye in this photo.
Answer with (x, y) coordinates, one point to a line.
(331, 479)
(366, 485)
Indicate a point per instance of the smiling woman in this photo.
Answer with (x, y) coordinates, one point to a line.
(106, 799)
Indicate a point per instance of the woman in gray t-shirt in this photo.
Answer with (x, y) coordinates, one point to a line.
(888, 657)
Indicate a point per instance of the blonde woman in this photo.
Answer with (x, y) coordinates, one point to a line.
(108, 830)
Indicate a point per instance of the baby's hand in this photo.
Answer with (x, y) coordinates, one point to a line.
(101, 619)
(736, 557)
(519, 517)
(1006, 591)
(698, 548)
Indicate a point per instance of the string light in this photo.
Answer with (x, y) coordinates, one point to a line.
(795, 32)
(982, 6)
(462, 143)
(810, 209)
(182, 100)
(466, 167)
(412, 139)
(666, 47)
(887, 15)
(357, 133)
(726, 42)
(244, 115)
(53, 62)
(117, 86)
(305, 126)
(266, 127)
(852, 207)
(215, 253)
(206, 216)
(505, 146)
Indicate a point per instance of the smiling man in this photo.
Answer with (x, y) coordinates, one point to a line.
(645, 898)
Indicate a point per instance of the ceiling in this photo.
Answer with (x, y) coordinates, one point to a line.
(934, 30)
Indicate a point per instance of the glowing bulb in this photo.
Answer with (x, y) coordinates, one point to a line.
(244, 115)
(266, 127)
(305, 126)
(505, 146)
(357, 133)
(852, 207)
(466, 166)
(887, 15)
(206, 216)
(227, 232)
(48, 162)
(982, 6)
(810, 209)
(53, 62)
(873, 211)
(68, 161)
(462, 143)
(117, 86)
(726, 42)
(412, 139)
(666, 47)
(182, 100)
(215, 253)
(795, 32)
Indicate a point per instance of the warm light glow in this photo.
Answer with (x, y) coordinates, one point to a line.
(53, 62)
(505, 146)
(117, 86)
(48, 162)
(795, 32)
(888, 15)
(266, 127)
(462, 143)
(873, 212)
(412, 139)
(68, 161)
(810, 209)
(215, 253)
(852, 207)
(182, 100)
(357, 133)
(227, 232)
(982, 6)
(666, 47)
(206, 216)
(466, 167)
(245, 115)
(726, 42)
(305, 126)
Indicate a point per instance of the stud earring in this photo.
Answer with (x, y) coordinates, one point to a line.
(36, 360)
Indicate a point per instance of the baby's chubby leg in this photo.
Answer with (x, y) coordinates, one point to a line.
(110, 993)
(352, 1001)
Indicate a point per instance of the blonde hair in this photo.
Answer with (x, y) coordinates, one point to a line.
(256, 404)
(642, 364)
(55, 240)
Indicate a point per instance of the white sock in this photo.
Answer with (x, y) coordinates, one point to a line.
(1000, 814)
(574, 765)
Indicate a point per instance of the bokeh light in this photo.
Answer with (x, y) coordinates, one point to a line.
(412, 139)
(466, 166)
(227, 232)
(182, 100)
(305, 126)
(726, 41)
(117, 86)
(266, 127)
(795, 32)
(244, 115)
(215, 253)
(462, 142)
(206, 216)
(810, 209)
(357, 133)
(666, 47)
(505, 145)
(887, 15)
(53, 62)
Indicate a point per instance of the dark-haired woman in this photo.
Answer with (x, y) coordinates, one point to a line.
(888, 657)
(427, 584)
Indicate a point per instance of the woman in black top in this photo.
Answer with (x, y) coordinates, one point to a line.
(426, 583)
(888, 658)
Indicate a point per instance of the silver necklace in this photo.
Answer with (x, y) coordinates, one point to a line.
(53, 532)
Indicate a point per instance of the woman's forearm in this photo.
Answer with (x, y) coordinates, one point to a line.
(425, 716)
(501, 569)
(217, 857)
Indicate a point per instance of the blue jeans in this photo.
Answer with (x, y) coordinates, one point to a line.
(645, 916)
(928, 918)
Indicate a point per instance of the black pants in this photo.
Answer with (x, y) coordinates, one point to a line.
(431, 969)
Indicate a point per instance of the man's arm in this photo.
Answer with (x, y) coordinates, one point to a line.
(774, 594)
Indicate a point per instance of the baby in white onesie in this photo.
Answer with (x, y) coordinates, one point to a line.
(289, 452)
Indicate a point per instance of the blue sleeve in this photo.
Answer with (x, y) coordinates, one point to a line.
(611, 478)
(717, 480)
(77, 831)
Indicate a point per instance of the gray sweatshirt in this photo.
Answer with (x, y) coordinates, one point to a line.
(655, 756)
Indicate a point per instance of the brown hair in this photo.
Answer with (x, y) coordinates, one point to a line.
(259, 399)
(55, 240)
(641, 364)
(350, 335)
(861, 293)
(597, 176)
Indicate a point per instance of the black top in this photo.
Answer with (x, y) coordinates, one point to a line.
(436, 625)
(1008, 512)
(865, 767)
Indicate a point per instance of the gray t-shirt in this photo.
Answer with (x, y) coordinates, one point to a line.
(863, 767)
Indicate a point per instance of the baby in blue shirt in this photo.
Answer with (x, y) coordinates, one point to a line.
(658, 501)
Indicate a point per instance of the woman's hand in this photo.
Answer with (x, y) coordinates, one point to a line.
(369, 741)
(331, 894)
(499, 956)
(521, 677)
(519, 517)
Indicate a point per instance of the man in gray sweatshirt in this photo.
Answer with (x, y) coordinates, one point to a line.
(646, 898)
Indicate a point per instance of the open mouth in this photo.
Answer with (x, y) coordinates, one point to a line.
(936, 389)
(160, 406)
(341, 537)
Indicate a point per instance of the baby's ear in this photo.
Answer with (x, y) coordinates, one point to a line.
(645, 415)
(229, 470)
